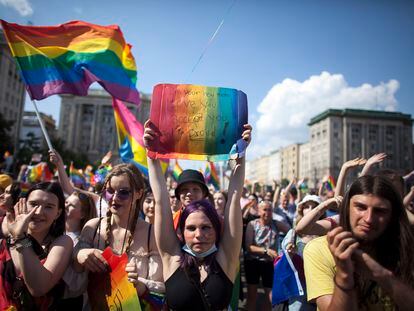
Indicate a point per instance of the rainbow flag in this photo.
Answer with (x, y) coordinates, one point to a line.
(100, 175)
(330, 184)
(114, 292)
(130, 132)
(177, 170)
(211, 175)
(68, 58)
(198, 122)
(76, 176)
(38, 173)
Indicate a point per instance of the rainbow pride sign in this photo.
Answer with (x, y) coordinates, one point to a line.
(198, 122)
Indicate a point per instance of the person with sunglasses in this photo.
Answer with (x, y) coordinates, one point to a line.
(123, 232)
(200, 266)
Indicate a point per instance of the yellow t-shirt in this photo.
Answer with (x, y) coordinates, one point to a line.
(319, 268)
(320, 272)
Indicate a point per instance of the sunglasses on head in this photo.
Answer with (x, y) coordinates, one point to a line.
(121, 194)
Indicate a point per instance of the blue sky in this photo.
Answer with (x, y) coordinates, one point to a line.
(293, 59)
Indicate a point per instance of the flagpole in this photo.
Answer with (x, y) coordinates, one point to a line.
(42, 126)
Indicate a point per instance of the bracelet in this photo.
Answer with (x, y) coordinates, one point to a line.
(341, 287)
(11, 241)
(23, 243)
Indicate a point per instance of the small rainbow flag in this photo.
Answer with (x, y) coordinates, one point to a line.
(76, 176)
(130, 132)
(39, 172)
(198, 122)
(68, 58)
(177, 170)
(100, 175)
(330, 184)
(211, 175)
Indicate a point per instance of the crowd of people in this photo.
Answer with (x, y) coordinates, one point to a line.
(187, 245)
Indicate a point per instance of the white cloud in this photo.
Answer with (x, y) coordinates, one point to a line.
(23, 7)
(288, 107)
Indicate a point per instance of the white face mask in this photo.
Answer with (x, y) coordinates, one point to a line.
(187, 249)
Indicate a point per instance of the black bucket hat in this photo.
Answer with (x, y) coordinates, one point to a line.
(190, 176)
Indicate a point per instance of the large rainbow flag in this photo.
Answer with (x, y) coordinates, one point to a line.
(130, 132)
(69, 57)
(198, 122)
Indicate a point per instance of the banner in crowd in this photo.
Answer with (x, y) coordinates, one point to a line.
(198, 122)
(114, 292)
(69, 57)
(130, 132)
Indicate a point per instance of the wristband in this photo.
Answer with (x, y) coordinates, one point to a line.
(11, 241)
(23, 243)
(265, 251)
(341, 287)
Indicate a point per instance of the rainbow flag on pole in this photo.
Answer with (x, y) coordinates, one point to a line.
(211, 175)
(130, 132)
(68, 58)
(177, 170)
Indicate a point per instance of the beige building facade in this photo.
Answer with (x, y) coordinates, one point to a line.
(289, 161)
(87, 125)
(12, 90)
(337, 136)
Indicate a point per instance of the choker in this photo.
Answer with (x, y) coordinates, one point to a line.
(188, 250)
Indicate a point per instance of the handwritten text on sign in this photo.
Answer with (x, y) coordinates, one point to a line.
(197, 122)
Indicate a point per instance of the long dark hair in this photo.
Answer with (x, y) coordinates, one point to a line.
(137, 183)
(187, 261)
(58, 228)
(394, 247)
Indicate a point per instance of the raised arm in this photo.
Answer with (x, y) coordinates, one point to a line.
(310, 223)
(376, 158)
(64, 180)
(165, 234)
(230, 243)
(276, 194)
(346, 167)
(39, 278)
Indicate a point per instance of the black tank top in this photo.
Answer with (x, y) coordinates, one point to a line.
(182, 293)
